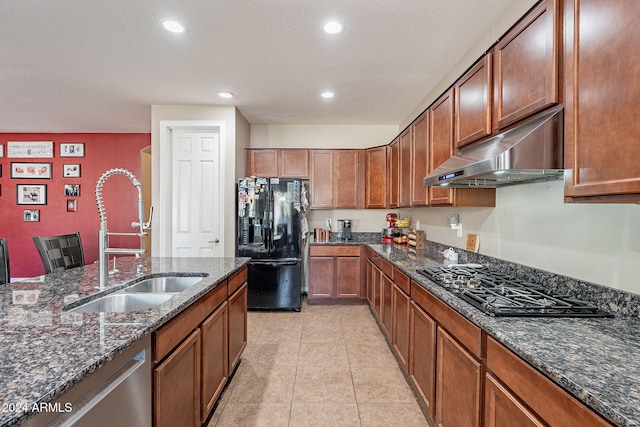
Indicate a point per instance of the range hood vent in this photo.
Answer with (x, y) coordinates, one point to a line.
(528, 152)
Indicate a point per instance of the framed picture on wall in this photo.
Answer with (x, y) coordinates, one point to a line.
(72, 190)
(40, 170)
(71, 170)
(31, 215)
(31, 194)
(72, 149)
(72, 205)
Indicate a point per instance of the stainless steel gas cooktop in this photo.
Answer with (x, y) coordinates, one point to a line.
(499, 294)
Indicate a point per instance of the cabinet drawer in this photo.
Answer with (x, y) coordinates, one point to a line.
(170, 335)
(555, 406)
(402, 281)
(458, 326)
(334, 250)
(387, 269)
(237, 280)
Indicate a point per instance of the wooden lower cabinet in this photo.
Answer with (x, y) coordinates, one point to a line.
(422, 356)
(401, 319)
(458, 384)
(177, 386)
(237, 325)
(386, 306)
(335, 273)
(215, 356)
(503, 409)
(196, 351)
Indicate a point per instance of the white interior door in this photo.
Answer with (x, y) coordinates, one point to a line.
(197, 220)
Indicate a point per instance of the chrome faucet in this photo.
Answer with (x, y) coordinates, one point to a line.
(103, 237)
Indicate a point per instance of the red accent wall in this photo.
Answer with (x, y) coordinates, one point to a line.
(103, 151)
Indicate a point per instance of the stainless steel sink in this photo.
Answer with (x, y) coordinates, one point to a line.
(123, 302)
(164, 284)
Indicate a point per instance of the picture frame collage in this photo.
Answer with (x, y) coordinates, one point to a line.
(31, 169)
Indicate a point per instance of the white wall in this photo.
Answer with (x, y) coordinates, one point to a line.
(235, 132)
(321, 136)
(531, 225)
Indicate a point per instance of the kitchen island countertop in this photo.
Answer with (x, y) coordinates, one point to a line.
(594, 359)
(45, 350)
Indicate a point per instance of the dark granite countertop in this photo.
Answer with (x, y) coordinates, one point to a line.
(594, 359)
(45, 350)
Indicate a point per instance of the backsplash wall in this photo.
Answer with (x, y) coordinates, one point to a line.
(532, 225)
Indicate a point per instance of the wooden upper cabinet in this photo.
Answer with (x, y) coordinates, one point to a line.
(473, 96)
(349, 180)
(405, 168)
(321, 178)
(526, 65)
(441, 143)
(262, 163)
(294, 163)
(376, 178)
(602, 94)
(419, 156)
(394, 174)
(278, 163)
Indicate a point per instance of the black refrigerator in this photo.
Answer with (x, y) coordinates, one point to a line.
(269, 232)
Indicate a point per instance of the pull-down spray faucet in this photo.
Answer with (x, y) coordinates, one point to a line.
(103, 237)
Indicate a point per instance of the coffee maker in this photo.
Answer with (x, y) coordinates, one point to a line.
(344, 229)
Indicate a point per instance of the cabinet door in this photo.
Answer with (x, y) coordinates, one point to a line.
(237, 326)
(400, 334)
(321, 277)
(394, 174)
(419, 157)
(376, 281)
(441, 144)
(386, 304)
(369, 282)
(602, 88)
(526, 65)
(321, 178)
(347, 185)
(473, 95)
(422, 356)
(215, 355)
(294, 163)
(376, 178)
(405, 168)
(458, 384)
(262, 163)
(501, 408)
(348, 277)
(176, 396)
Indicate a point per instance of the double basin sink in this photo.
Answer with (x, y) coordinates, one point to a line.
(141, 295)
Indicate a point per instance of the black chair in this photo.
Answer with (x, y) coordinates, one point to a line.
(5, 276)
(60, 253)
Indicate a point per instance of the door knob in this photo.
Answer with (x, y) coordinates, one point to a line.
(214, 241)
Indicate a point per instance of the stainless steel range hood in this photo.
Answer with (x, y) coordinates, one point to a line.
(528, 152)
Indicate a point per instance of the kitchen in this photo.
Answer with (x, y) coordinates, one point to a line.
(529, 224)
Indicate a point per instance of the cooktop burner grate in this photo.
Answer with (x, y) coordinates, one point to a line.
(499, 294)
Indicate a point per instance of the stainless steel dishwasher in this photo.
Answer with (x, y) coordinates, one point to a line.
(119, 393)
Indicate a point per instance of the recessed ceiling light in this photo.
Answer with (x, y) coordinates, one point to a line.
(225, 94)
(173, 26)
(327, 94)
(332, 27)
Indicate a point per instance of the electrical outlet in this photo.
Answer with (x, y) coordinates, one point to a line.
(329, 222)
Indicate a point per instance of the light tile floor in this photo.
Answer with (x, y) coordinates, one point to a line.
(324, 366)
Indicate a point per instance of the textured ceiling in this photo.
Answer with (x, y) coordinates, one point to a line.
(98, 66)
